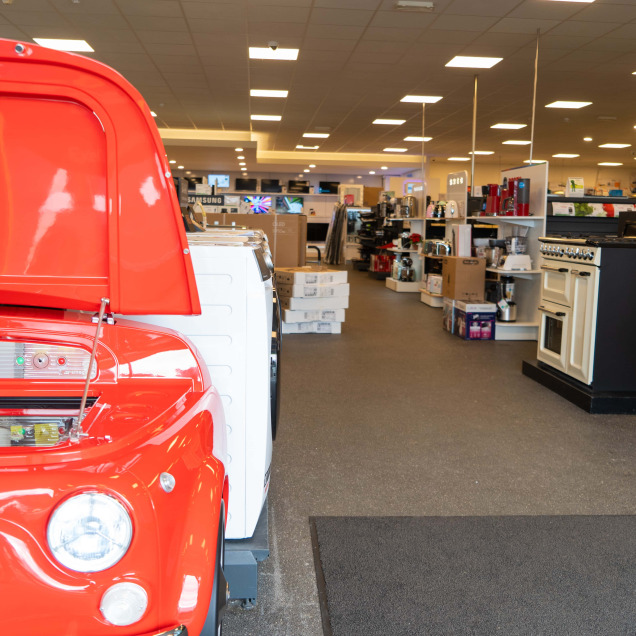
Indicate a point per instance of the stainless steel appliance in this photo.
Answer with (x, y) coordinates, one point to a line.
(588, 310)
(409, 206)
(506, 305)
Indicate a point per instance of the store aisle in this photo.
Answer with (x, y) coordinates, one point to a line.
(397, 417)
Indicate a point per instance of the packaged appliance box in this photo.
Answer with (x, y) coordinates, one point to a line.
(475, 321)
(464, 278)
(448, 315)
(307, 304)
(309, 276)
(320, 315)
(286, 233)
(313, 291)
(434, 284)
(312, 327)
(371, 196)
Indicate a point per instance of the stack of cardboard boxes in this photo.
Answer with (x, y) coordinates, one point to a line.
(313, 300)
(465, 313)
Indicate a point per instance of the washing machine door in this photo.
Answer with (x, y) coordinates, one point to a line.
(274, 373)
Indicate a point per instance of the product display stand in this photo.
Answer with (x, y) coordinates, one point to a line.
(416, 224)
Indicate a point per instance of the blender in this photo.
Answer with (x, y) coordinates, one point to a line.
(506, 305)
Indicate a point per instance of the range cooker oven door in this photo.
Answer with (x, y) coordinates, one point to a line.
(556, 282)
(553, 335)
(582, 332)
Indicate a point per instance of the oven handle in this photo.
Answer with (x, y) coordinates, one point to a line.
(576, 272)
(554, 313)
(561, 270)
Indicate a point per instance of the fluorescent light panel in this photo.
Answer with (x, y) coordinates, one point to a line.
(389, 122)
(483, 152)
(421, 99)
(509, 126)
(394, 150)
(459, 158)
(255, 92)
(307, 147)
(265, 117)
(609, 163)
(534, 161)
(565, 104)
(316, 135)
(564, 155)
(615, 145)
(516, 142)
(464, 61)
(418, 138)
(265, 53)
(587, 139)
(583, 1)
(81, 46)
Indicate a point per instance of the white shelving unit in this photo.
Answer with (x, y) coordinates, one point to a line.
(432, 300)
(416, 225)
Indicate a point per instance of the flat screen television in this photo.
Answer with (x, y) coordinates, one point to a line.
(246, 185)
(271, 185)
(219, 180)
(258, 204)
(298, 187)
(328, 187)
(289, 205)
(317, 232)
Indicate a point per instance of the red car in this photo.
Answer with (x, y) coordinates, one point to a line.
(113, 490)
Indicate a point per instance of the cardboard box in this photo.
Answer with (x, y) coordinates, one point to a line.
(312, 327)
(313, 291)
(320, 315)
(286, 233)
(448, 315)
(434, 284)
(371, 196)
(475, 321)
(307, 304)
(309, 276)
(464, 278)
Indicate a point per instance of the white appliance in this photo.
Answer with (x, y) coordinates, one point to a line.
(357, 191)
(234, 336)
(588, 310)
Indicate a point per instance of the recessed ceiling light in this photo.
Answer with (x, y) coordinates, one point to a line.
(389, 122)
(371, 171)
(424, 6)
(307, 147)
(266, 53)
(238, 149)
(615, 145)
(242, 163)
(306, 170)
(609, 163)
(516, 142)
(180, 167)
(534, 161)
(384, 167)
(263, 93)
(395, 150)
(564, 104)
(358, 177)
(509, 126)
(240, 157)
(564, 155)
(312, 165)
(463, 61)
(316, 135)
(418, 138)
(459, 158)
(172, 161)
(188, 172)
(421, 99)
(482, 152)
(587, 1)
(587, 139)
(244, 169)
(65, 45)
(152, 112)
(266, 117)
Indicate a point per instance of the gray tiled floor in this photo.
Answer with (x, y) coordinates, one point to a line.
(397, 417)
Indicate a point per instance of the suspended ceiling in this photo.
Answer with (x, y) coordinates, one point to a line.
(358, 58)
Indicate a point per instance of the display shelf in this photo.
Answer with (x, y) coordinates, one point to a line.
(520, 273)
(397, 249)
(401, 286)
(529, 221)
(435, 256)
(432, 300)
(516, 330)
(405, 218)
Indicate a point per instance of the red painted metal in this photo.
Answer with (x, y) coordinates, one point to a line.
(87, 204)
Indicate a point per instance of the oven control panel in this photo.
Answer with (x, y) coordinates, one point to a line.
(569, 252)
(39, 361)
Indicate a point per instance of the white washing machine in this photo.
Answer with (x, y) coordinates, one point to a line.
(234, 336)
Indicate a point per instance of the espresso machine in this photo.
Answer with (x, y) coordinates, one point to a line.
(409, 207)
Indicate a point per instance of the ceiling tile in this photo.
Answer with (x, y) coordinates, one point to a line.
(463, 23)
(152, 23)
(334, 31)
(12, 33)
(590, 29)
(542, 10)
(348, 4)
(214, 11)
(608, 13)
(91, 20)
(497, 8)
(341, 16)
(164, 8)
(165, 37)
(277, 14)
(283, 32)
(625, 31)
(170, 49)
(402, 20)
(34, 18)
(391, 34)
(103, 7)
(522, 25)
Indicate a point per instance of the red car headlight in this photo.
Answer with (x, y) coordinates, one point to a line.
(89, 532)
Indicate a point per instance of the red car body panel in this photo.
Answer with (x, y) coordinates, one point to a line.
(88, 210)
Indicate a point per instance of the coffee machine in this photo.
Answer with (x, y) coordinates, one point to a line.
(515, 197)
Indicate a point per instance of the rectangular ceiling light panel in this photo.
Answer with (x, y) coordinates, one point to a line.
(483, 152)
(509, 126)
(463, 61)
(421, 99)
(564, 155)
(81, 46)
(264, 93)
(418, 138)
(389, 122)
(266, 117)
(316, 135)
(266, 53)
(565, 104)
(615, 145)
(516, 142)
(307, 147)
(395, 150)
(459, 159)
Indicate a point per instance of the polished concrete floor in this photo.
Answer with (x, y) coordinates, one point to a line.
(397, 417)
